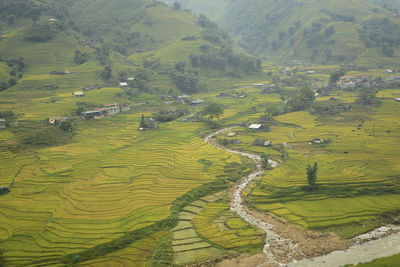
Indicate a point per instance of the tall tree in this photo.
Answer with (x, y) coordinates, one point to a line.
(142, 122)
(213, 110)
(312, 175)
(301, 99)
(106, 74)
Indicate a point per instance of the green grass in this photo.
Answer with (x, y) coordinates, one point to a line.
(384, 262)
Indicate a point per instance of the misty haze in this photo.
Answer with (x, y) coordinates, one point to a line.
(224, 133)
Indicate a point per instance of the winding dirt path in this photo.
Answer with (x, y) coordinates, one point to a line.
(287, 245)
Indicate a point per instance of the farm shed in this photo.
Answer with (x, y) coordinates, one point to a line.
(197, 102)
(255, 126)
(92, 114)
(79, 94)
(56, 119)
(2, 123)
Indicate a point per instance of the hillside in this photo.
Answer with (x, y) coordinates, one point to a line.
(126, 37)
(310, 30)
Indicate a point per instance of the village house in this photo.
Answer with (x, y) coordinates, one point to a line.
(397, 99)
(310, 72)
(183, 98)
(51, 21)
(60, 72)
(79, 94)
(261, 142)
(92, 114)
(103, 110)
(223, 95)
(197, 102)
(392, 80)
(112, 109)
(361, 80)
(125, 107)
(258, 85)
(255, 126)
(56, 120)
(123, 84)
(267, 143)
(2, 123)
(318, 141)
(91, 87)
(130, 79)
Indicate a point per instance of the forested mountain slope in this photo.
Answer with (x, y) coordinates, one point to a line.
(318, 31)
(108, 40)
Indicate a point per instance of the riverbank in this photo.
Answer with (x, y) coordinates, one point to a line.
(287, 245)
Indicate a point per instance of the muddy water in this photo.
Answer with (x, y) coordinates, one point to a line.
(367, 247)
(358, 253)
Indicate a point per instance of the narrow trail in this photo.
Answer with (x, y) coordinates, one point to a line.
(286, 245)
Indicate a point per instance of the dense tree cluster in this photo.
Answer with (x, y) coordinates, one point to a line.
(213, 110)
(80, 57)
(367, 97)
(301, 99)
(185, 80)
(340, 17)
(102, 54)
(39, 33)
(11, 9)
(222, 58)
(106, 73)
(335, 76)
(380, 32)
(17, 66)
(166, 116)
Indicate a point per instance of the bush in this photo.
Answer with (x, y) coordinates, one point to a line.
(367, 97)
(39, 33)
(302, 99)
(80, 57)
(12, 82)
(186, 81)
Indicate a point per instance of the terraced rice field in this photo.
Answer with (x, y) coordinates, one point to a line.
(111, 180)
(217, 223)
(134, 255)
(208, 229)
(358, 169)
(187, 244)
